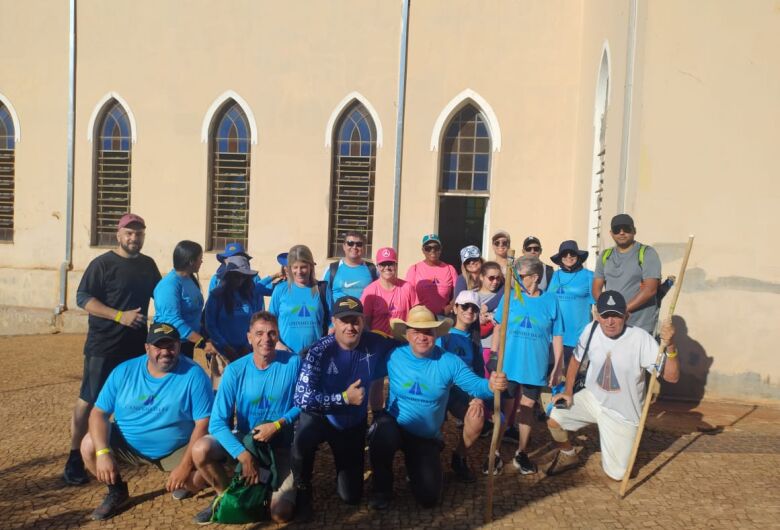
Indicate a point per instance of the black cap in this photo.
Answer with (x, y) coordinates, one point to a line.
(347, 306)
(160, 331)
(611, 302)
(621, 219)
(531, 239)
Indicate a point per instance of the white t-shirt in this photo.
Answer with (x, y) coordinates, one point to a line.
(616, 372)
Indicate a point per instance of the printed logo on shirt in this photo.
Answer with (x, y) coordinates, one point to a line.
(147, 399)
(332, 369)
(263, 401)
(303, 311)
(435, 281)
(560, 290)
(415, 387)
(349, 285)
(525, 321)
(607, 379)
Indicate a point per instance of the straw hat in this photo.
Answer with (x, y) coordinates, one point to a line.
(420, 317)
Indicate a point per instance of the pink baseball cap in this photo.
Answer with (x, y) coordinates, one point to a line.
(386, 254)
(130, 218)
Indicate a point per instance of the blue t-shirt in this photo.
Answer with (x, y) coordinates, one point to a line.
(532, 325)
(257, 396)
(420, 388)
(300, 314)
(573, 290)
(178, 302)
(266, 285)
(156, 415)
(230, 329)
(349, 281)
(461, 343)
(328, 370)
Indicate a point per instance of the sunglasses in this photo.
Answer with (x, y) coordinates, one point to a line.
(623, 228)
(472, 261)
(386, 265)
(493, 278)
(469, 307)
(431, 248)
(569, 254)
(500, 243)
(533, 249)
(353, 243)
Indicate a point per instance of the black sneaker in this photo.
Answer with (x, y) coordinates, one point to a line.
(379, 500)
(112, 504)
(511, 434)
(498, 466)
(487, 430)
(303, 504)
(523, 464)
(461, 468)
(203, 517)
(75, 474)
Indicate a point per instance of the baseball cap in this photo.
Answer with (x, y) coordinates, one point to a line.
(428, 238)
(501, 233)
(130, 218)
(347, 306)
(239, 264)
(621, 219)
(467, 297)
(611, 302)
(162, 331)
(531, 239)
(281, 259)
(386, 254)
(469, 252)
(232, 249)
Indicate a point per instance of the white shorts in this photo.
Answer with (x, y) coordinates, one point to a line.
(615, 436)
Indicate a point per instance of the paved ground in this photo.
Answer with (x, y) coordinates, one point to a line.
(712, 465)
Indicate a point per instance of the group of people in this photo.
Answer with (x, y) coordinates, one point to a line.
(310, 368)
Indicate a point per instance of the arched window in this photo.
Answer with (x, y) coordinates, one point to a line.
(352, 178)
(111, 189)
(229, 144)
(7, 147)
(464, 182)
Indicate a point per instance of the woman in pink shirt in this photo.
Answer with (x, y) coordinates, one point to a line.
(387, 297)
(434, 280)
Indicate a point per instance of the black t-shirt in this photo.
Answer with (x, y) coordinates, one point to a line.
(121, 283)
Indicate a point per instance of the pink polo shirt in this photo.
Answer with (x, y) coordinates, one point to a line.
(433, 284)
(380, 304)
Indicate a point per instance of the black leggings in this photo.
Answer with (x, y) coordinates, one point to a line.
(423, 467)
(347, 447)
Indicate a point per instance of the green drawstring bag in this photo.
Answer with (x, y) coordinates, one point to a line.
(241, 503)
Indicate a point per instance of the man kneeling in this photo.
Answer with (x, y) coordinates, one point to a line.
(260, 389)
(614, 386)
(161, 404)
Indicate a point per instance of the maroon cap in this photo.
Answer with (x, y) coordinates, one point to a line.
(130, 218)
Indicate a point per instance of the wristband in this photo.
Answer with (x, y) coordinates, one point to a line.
(102, 452)
(344, 397)
(200, 343)
(118, 317)
(278, 425)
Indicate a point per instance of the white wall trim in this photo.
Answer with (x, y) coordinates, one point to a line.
(217, 104)
(455, 105)
(14, 118)
(99, 107)
(348, 99)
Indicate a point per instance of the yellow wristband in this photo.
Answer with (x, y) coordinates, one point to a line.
(278, 425)
(118, 317)
(671, 354)
(104, 451)
(344, 397)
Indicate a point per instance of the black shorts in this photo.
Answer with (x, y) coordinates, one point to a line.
(458, 403)
(514, 389)
(96, 372)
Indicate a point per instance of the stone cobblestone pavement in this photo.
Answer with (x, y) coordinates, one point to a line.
(712, 465)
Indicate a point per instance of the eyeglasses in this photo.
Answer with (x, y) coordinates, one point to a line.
(353, 243)
(533, 249)
(431, 248)
(501, 243)
(493, 278)
(623, 228)
(386, 265)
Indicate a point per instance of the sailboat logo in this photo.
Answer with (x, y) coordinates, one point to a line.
(332, 369)
(526, 322)
(560, 290)
(415, 387)
(262, 402)
(304, 312)
(607, 379)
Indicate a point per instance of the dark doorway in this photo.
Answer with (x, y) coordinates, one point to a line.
(461, 223)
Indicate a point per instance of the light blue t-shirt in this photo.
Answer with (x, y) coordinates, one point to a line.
(573, 290)
(349, 281)
(257, 396)
(300, 314)
(420, 388)
(156, 415)
(532, 324)
(229, 329)
(178, 302)
(460, 343)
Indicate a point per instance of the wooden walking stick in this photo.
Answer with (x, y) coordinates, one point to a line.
(497, 394)
(651, 387)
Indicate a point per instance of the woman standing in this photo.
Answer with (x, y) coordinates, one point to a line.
(387, 297)
(471, 265)
(178, 300)
(433, 280)
(490, 295)
(501, 242)
(571, 284)
(297, 302)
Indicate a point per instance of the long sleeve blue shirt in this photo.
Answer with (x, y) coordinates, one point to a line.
(230, 329)
(178, 302)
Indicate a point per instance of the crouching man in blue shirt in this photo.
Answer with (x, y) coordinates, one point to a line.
(161, 404)
(259, 388)
(421, 375)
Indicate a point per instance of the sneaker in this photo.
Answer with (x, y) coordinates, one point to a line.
(498, 466)
(461, 468)
(112, 504)
(303, 500)
(561, 462)
(487, 430)
(181, 494)
(203, 517)
(523, 464)
(511, 434)
(379, 500)
(75, 474)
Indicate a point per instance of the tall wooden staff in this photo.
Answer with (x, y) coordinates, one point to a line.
(497, 394)
(654, 378)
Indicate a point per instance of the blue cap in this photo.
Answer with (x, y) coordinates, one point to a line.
(282, 259)
(233, 249)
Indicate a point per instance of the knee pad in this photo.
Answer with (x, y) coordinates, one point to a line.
(558, 434)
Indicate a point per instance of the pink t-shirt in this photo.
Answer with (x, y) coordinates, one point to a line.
(433, 284)
(380, 304)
